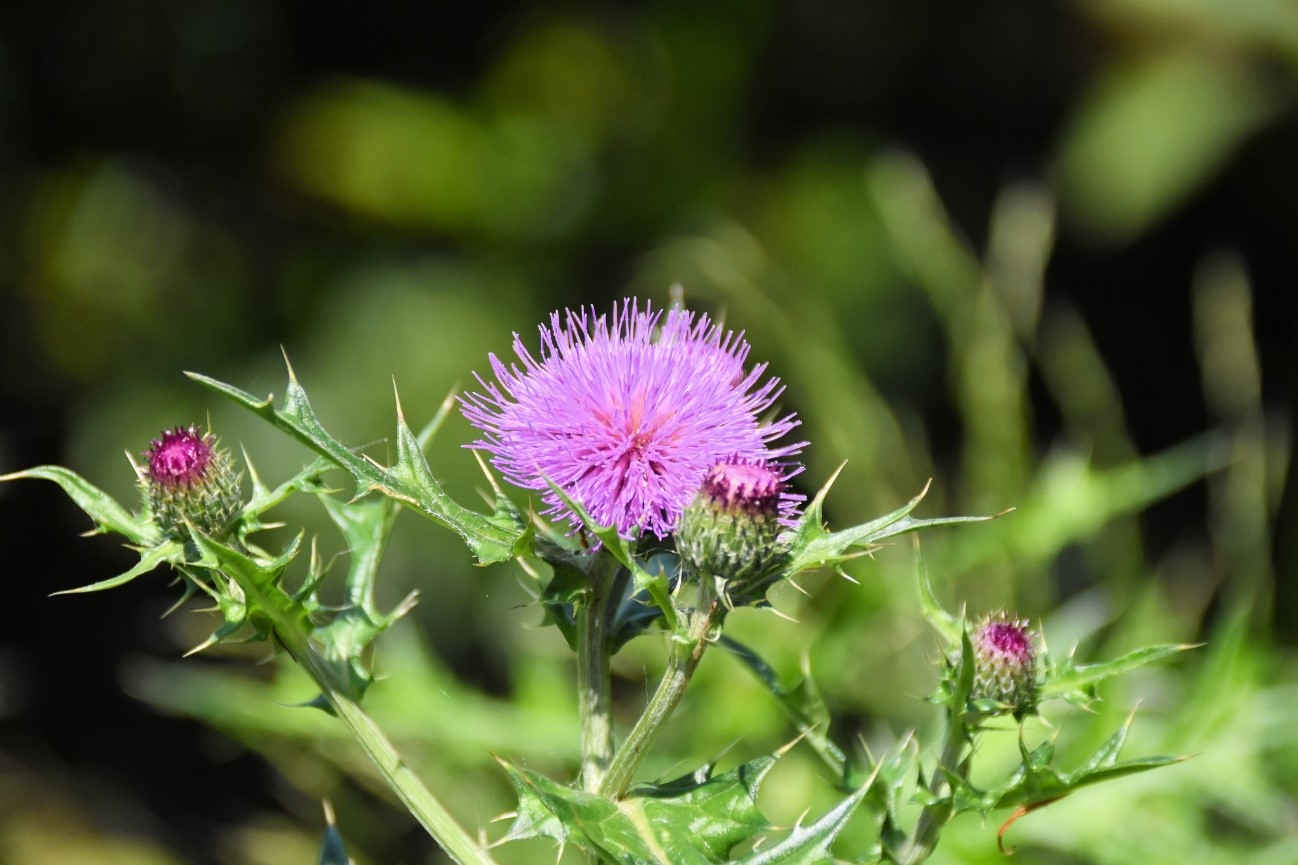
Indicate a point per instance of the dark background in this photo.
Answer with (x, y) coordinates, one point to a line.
(175, 194)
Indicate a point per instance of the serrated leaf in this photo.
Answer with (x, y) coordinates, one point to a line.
(260, 584)
(1067, 677)
(809, 845)
(592, 823)
(688, 821)
(308, 480)
(813, 546)
(1037, 782)
(109, 516)
(491, 538)
(167, 551)
(714, 814)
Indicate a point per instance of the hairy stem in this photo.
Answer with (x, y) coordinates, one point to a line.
(594, 699)
(686, 652)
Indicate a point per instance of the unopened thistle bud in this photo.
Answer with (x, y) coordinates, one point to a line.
(189, 477)
(731, 530)
(1005, 663)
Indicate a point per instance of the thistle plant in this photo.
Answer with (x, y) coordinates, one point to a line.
(663, 470)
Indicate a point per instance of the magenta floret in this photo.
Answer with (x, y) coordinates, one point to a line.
(179, 459)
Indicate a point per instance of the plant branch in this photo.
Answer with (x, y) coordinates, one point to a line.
(686, 652)
(426, 808)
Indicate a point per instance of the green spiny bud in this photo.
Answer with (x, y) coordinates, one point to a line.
(1005, 663)
(732, 529)
(189, 477)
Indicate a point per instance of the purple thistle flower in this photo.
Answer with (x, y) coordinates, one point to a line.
(626, 415)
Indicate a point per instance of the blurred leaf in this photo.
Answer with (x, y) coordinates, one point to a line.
(948, 626)
(802, 704)
(418, 160)
(332, 851)
(1150, 133)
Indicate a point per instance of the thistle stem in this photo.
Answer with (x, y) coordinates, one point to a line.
(425, 807)
(291, 632)
(683, 659)
(931, 820)
(594, 698)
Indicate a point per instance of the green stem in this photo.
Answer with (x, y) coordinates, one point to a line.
(683, 660)
(426, 808)
(290, 626)
(920, 845)
(594, 698)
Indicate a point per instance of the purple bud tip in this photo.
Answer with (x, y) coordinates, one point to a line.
(179, 459)
(752, 488)
(1006, 639)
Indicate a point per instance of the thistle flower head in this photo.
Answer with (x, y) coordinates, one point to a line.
(189, 477)
(627, 413)
(179, 459)
(731, 530)
(1005, 663)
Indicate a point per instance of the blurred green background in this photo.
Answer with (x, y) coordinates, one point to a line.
(1041, 252)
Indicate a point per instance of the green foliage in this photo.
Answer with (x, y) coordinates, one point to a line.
(491, 538)
(814, 546)
(694, 819)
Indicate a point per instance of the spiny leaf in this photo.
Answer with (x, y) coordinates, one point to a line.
(260, 584)
(809, 845)
(693, 820)
(814, 546)
(490, 538)
(108, 515)
(1037, 781)
(594, 824)
(1068, 678)
(712, 813)
(167, 551)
